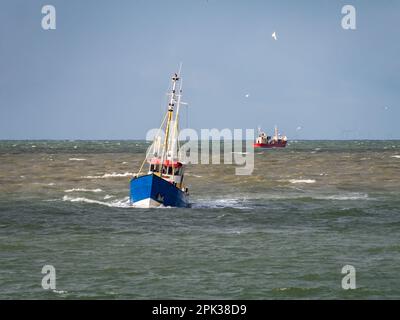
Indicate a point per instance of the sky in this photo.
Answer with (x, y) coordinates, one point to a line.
(103, 73)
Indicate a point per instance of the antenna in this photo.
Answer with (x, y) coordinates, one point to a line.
(187, 116)
(180, 69)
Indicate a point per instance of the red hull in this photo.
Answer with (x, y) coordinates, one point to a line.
(279, 144)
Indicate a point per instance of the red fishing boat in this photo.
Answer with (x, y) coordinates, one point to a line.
(264, 141)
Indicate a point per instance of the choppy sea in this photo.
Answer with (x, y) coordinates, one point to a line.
(284, 232)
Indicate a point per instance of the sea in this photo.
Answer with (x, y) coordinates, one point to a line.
(287, 231)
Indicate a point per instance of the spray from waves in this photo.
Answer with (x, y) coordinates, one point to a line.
(82, 190)
(76, 159)
(121, 203)
(111, 175)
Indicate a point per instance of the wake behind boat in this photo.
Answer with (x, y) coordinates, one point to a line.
(164, 182)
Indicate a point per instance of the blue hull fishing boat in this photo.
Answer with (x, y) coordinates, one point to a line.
(163, 184)
(152, 191)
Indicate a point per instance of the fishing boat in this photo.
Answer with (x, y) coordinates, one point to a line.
(163, 184)
(264, 141)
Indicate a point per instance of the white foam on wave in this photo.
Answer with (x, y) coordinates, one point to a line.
(118, 203)
(121, 203)
(60, 291)
(349, 196)
(193, 175)
(302, 181)
(82, 190)
(219, 203)
(111, 175)
(396, 156)
(77, 159)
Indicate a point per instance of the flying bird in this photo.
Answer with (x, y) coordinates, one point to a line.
(247, 95)
(274, 36)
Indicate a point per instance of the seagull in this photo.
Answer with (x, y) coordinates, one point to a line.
(274, 36)
(299, 128)
(247, 95)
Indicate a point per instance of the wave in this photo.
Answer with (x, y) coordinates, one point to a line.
(220, 204)
(82, 190)
(396, 156)
(111, 175)
(261, 200)
(77, 159)
(302, 181)
(193, 175)
(60, 291)
(309, 196)
(119, 203)
(122, 203)
(350, 196)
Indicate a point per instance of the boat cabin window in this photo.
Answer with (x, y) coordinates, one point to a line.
(171, 171)
(154, 167)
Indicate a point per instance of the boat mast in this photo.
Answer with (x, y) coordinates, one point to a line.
(175, 135)
(171, 105)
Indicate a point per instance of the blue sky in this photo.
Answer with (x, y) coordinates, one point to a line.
(103, 73)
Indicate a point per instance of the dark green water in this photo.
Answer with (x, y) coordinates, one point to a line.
(286, 231)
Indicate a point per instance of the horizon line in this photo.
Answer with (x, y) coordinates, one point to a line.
(135, 139)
